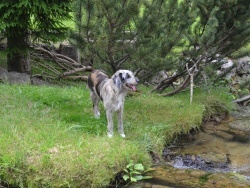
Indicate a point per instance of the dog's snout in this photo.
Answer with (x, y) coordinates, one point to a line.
(137, 80)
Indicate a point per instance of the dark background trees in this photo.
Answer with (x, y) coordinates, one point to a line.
(24, 20)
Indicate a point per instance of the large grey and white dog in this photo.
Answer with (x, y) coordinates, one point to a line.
(112, 92)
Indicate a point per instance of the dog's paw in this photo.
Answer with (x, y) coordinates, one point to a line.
(97, 115)
(123, 135)
(110, 135)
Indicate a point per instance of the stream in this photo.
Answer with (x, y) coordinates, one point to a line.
(217, 155)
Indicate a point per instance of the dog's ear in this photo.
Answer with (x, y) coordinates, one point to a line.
(122, 76)
(117, 81)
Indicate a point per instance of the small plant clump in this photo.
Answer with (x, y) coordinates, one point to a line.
(135, 172)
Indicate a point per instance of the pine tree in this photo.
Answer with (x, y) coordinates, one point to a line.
(102, 27)
(23, 20)
(129, 34)
(161, 35)
(221, 28)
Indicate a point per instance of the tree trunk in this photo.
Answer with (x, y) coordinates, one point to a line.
(18, 53)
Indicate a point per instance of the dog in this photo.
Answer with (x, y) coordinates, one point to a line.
(112, 91)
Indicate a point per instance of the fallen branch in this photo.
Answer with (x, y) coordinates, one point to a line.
(184, 84)
(242, 100)
(57, 66)
(56, 56)
(83, 78)
(177, 90)
(87, 68)
(167, 82)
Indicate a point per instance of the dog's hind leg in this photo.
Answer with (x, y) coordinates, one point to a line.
(120, 122)
(109, 114)
(95, 100)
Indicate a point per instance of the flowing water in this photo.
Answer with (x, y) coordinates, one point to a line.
(216, 148)
(218, 155)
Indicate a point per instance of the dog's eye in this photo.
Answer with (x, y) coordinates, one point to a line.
(128, 76)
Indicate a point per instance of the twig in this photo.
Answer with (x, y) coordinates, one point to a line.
(193, 70)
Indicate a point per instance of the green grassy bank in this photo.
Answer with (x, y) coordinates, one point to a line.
(50, 138)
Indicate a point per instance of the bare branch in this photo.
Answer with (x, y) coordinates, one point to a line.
(56, 66)
(177, 90)
(76, 71)
(243, 99)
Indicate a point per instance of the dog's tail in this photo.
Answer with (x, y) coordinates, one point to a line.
(90, 84)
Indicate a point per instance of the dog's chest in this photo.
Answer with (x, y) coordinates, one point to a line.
(117, 101)
(113, 98)
(120, 100)
(114, 101)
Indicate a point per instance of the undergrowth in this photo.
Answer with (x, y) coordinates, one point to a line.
(50, 138)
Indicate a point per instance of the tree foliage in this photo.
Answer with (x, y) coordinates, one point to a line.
(220, 29)
(187, 37)
(42, 19)
(130, 34)
(149, 36)
(223, 26)
(24, 19)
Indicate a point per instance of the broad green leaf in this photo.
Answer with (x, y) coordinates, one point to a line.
(138, 178)
(125, 177)
(135, 172)
(139, 166)
(129, 165)
(133, 179)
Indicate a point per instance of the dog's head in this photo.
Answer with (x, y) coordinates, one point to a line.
(125, 79)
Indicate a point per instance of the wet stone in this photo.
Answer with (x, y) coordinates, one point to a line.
(211, 157)
(207, 162)
(224, 135)
(243, 124)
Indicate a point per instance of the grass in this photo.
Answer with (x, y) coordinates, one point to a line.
(50, 138)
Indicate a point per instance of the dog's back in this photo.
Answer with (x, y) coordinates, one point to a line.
(95, 80)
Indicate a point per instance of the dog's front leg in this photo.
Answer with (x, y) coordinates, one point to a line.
(120, 122)
(109, 114)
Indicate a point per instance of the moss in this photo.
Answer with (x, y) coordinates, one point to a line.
(204, 178)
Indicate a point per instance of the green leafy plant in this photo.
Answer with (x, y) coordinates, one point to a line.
(135, 172)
